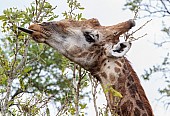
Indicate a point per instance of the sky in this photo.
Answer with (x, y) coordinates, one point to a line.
(143, 53)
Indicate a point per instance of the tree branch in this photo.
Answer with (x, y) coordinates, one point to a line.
(24, 58)
(94, 83)
(40, 11)
(165, 6)
(12, 77)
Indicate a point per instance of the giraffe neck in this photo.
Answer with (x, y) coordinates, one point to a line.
(119, 75)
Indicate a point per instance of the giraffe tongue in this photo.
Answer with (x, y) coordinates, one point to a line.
(26, 30)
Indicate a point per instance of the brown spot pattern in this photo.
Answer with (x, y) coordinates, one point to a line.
(132, 90)
(117, 70)
(83, 54)
(130, 78)
(103, 74)
(146, 114)
(124, 71)
(97, 52)
(112, 77)
(136, 112)
(118, 63)
(128, 84)
(126, 108)
(125, 67)
(121, 80)
(122, 60)
(121, 85)
(139, 104)
(75, 50)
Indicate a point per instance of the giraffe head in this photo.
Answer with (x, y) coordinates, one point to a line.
(84, 42)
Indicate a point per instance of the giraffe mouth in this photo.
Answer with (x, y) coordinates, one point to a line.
(38, 35)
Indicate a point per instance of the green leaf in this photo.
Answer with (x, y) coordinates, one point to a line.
(51, 18)
(41, 47)
(22, 83)
(3, 80)
(116, 93)
(79, 16)
(9, 39)
(14, 27)
(72, 111)
(47, 111)
(10, 102)
(27, 69)
(3, 17)
(1, 71)
(113, 91)
(4, 24)
(81, 8)
(47, 5)
(2, 90)
(33, 8)
(85, 84)
(83, 106)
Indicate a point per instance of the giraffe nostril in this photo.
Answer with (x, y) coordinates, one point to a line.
(122, 45)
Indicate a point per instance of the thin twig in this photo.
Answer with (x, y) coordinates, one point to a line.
(136, 13)
(161, 44)
(94, 83)
(24, 58)
(40, 11)
(8, 92)
(62, 108)
(129, 37)
(141, 27)
(134, 39)
(45, 14)
(36, 5)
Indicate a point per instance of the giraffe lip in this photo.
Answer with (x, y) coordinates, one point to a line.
(29, 31)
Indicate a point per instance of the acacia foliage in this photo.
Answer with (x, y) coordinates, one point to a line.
(33, 75)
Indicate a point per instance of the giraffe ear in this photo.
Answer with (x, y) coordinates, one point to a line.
(118, 50)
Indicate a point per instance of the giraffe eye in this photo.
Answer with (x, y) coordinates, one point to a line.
(89, 37)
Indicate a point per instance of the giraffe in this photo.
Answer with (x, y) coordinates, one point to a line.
(97, 49)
